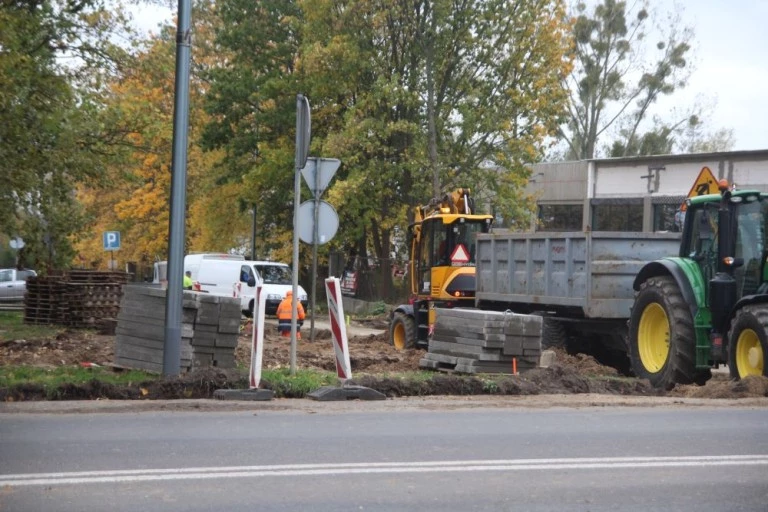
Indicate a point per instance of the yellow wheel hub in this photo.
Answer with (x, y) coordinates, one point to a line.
(749, 354)
(653, 338)
(398, 336)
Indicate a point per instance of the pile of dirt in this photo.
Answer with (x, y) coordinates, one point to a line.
(374, 363)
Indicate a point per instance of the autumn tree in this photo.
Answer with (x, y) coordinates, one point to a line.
(613, 83)
(413, 97)
(136, 200)
(430, 95)
(252, 103)
(54, 56)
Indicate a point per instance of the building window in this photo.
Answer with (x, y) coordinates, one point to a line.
(560, 217)
(668, 217)
(617, 215)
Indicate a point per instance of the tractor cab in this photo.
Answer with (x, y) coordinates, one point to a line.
(726, 233)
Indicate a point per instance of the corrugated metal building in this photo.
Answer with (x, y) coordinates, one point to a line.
(633, 194)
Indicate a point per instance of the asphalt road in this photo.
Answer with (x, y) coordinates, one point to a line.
(387, 459)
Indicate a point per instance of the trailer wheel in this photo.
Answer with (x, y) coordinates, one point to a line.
(402, 331)
(748, 342)
(553, 334)
(662, 344)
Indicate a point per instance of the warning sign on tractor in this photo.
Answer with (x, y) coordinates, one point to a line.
(460, 255)
(705, 184)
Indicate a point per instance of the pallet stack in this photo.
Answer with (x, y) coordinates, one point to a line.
(44, 300)
(93, 296)
(75, 298)
(475, 341)
(209, 330)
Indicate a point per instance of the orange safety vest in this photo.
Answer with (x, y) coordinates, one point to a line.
(284, 309)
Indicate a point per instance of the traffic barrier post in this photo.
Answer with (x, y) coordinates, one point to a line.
(346, 391)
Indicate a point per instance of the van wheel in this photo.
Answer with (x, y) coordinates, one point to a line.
(249, 313)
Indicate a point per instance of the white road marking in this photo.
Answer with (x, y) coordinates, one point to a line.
(147, 475)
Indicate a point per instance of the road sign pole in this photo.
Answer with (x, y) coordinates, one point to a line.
(303, 132)
(315, 237)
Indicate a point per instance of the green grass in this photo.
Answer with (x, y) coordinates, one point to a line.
(53, 377)
(12, 327)
(281, 381)
(304, 381)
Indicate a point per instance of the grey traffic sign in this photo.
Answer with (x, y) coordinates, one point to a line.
(327, 224)
(318, 173)
(303, 130)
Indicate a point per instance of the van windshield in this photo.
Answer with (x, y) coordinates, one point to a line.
(274, 274)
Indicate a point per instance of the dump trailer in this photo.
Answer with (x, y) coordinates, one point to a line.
(581, 283)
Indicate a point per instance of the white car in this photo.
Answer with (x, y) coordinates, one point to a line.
(13, 283)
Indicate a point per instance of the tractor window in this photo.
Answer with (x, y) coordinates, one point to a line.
(704, 239)
(750, 244)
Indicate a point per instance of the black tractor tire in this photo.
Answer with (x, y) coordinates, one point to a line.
(748, 342)
(402, 331)
(662, 342)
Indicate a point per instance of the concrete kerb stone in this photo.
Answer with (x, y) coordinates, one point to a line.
(259, 395)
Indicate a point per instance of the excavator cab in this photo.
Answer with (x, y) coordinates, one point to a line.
(444, 257)
(442, 264)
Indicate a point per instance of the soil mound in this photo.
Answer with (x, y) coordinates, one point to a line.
(375, 364)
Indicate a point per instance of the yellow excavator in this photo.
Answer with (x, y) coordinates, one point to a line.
(441, 267)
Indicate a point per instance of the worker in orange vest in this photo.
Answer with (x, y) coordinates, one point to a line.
(284, 315)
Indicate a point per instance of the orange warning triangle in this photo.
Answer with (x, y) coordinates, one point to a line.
(460, 254)
(705, 184)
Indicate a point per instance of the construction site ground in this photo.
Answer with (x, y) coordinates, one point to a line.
(375, 363)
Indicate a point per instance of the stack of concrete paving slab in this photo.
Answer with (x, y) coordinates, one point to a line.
(209, 330)
(477, 341)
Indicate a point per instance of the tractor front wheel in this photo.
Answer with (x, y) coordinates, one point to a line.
(661, 337)
(402, 331)
(748, 342)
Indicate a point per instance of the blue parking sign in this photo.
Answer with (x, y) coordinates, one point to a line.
(111, 240)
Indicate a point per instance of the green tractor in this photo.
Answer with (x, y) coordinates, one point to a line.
(709, 305)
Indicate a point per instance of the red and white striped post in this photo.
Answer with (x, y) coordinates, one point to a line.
(257, 338)
(338, 328)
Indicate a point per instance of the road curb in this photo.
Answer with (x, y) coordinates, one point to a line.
(468, 403)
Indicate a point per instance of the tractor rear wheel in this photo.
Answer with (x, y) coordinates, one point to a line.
(402, 331)
(662, 343)
(748, 342)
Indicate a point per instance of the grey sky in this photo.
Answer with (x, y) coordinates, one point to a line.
(730, 62)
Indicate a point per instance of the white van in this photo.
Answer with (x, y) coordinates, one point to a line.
(276, 279)
(192, 263)
(231, 275)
